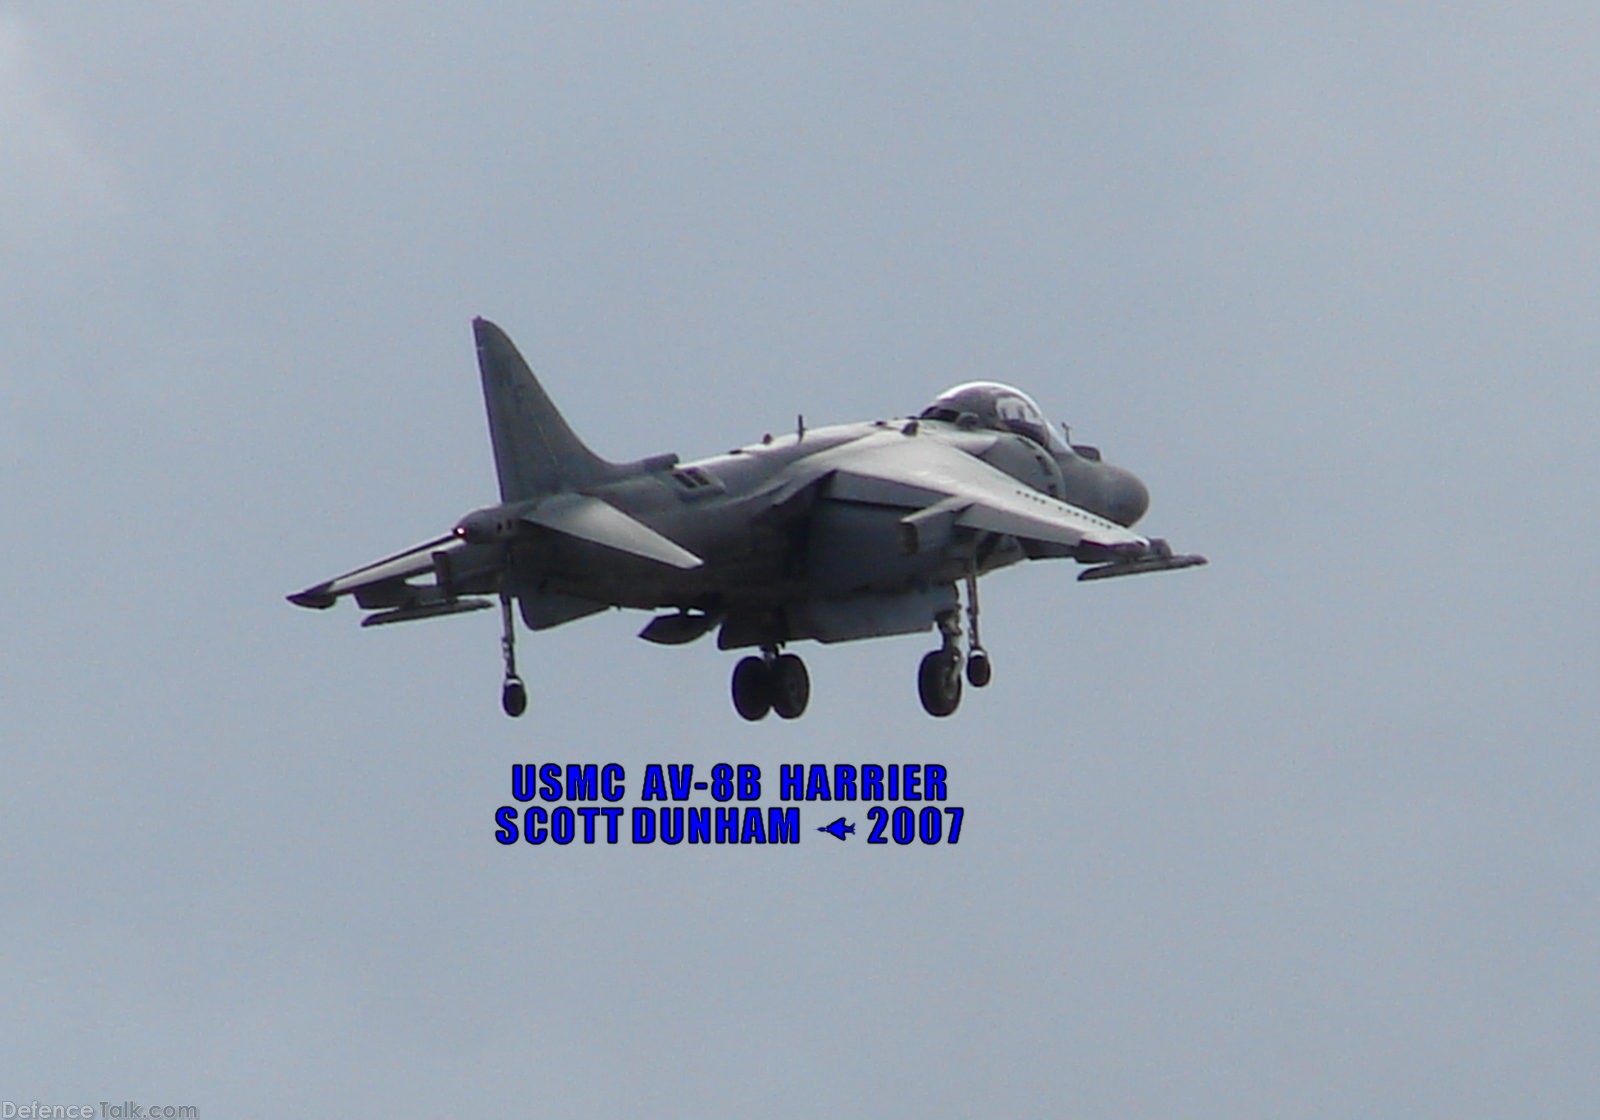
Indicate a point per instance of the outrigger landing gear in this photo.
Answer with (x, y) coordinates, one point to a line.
(979, 670)
(513, 695)
(773, 682)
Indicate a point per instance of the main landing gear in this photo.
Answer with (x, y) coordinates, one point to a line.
(939, 675)
(773, 682)
(513, 694)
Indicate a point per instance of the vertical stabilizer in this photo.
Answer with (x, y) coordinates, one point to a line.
(535, 452)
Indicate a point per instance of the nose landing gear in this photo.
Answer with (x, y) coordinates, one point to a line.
(939, 682)
(939, 675)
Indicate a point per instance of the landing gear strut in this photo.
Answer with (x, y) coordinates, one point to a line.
(939, 676)
(513, 695)
(773, 682)
(979, 671)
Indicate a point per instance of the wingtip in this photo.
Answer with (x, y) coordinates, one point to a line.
(317, 598)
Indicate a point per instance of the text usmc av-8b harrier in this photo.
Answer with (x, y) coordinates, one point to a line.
(851, 531)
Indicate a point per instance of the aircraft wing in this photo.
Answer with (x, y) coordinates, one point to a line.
(934, 478)
(383, 582)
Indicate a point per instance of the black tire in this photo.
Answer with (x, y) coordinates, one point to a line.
(979, 671)
(791, 686)
(514, 698)
(939, 682)
(752, 689)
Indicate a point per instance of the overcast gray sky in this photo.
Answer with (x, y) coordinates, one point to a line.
(1309, 832)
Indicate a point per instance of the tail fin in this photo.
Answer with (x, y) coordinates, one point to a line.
(535, 452)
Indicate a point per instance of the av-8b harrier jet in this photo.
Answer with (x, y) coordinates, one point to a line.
(851, 531)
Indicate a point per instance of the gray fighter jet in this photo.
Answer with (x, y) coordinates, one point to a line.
(851, 531)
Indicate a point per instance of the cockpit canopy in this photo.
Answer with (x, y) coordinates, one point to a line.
(1001, 408)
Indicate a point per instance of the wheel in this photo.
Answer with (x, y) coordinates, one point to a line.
(979, 671)
(939, 682)
(514, 697)
(752, 688)
(791, 686)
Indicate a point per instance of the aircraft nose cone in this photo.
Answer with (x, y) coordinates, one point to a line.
(1129, 498)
